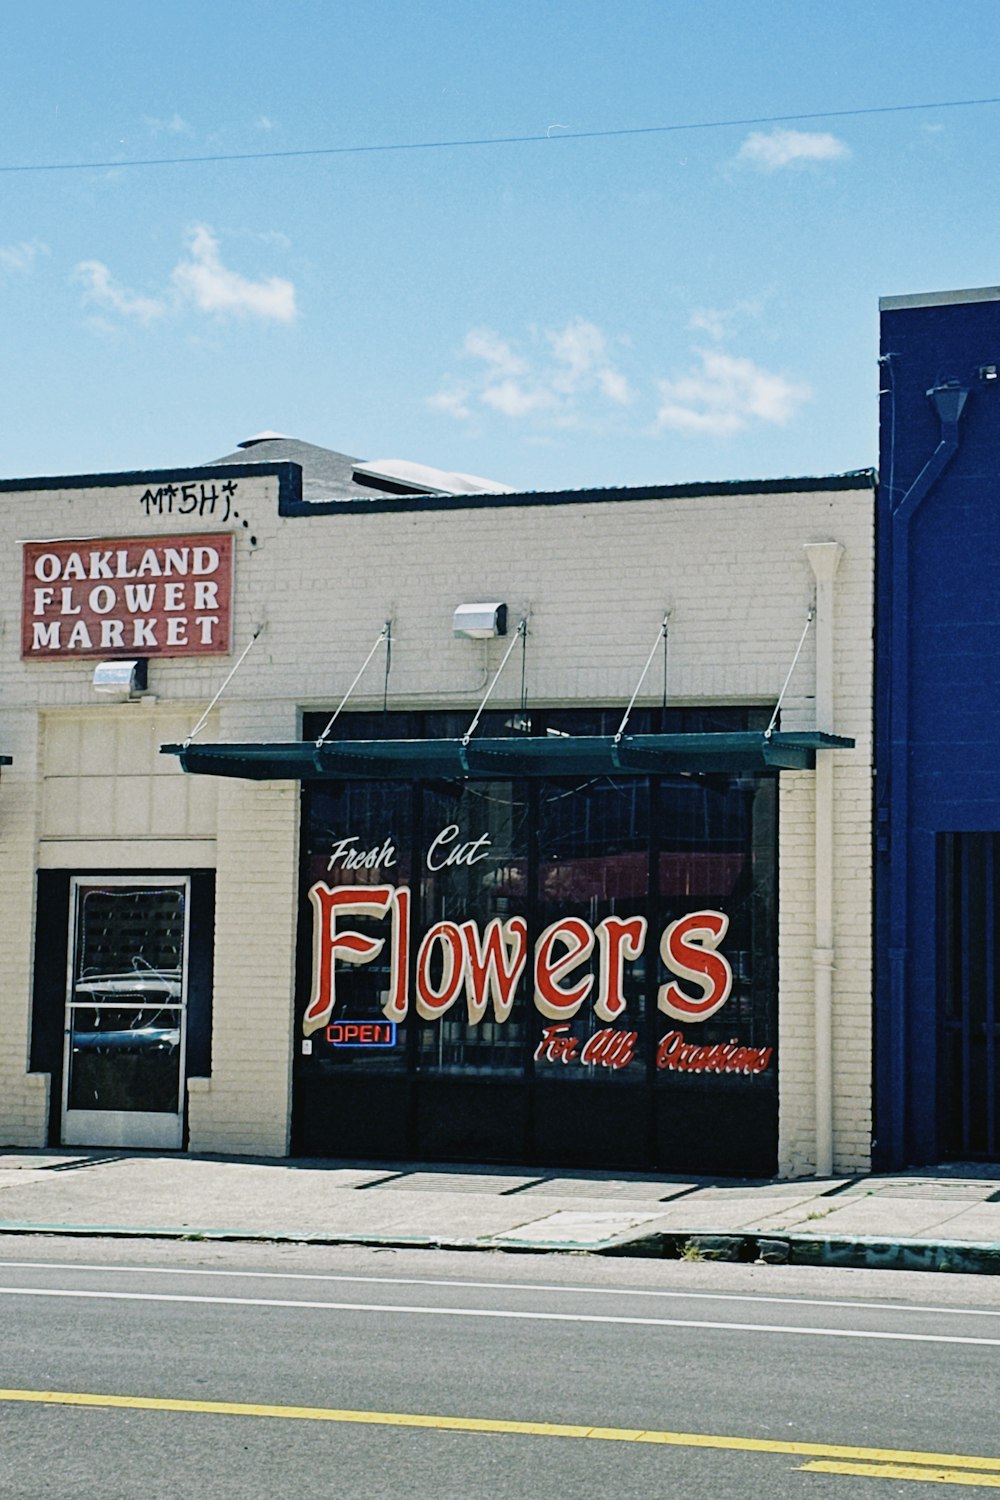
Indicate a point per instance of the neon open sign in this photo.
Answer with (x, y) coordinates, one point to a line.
(362, 1034)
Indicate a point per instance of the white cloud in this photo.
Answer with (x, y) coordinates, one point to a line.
(614, 386)
(516, 399)
(262, 237)
(580, 350)
(578, 347)
(565, 370)
(199, 280)
(100, 287)
(484, 344)
(718, 322)
(725, 394)
(212, 287)
(264, 122)
(20, 259)
(450, 403)
(175, 125)
(710, 320)
(770, 151)
(565, 378)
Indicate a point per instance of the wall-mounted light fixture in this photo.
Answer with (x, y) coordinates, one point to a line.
(478, 622)
(120, 680)
(989, 373)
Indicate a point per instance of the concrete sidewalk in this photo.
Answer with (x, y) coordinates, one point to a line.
(947, 1218)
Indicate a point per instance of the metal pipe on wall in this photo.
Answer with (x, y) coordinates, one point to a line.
(824, 559)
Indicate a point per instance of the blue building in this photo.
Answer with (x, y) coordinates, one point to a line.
(937, 715)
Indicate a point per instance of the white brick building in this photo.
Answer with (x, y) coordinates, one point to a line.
(160, 948)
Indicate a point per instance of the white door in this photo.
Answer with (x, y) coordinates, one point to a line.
(126, 998)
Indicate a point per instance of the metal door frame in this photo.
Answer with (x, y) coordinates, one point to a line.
(124, 1128)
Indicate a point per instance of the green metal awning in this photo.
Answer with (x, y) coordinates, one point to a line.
(496, 759)
(6, 760)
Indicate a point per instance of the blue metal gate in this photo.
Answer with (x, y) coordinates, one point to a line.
(968, 864)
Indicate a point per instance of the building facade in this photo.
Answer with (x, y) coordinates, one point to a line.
(938, 724)
(351, 820)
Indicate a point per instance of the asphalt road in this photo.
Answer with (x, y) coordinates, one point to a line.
(146, 1370)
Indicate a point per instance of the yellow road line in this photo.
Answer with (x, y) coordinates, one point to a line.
(908, 1471)
(831, 1451)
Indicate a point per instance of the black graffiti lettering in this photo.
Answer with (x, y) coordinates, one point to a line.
(229, 490)
(210, 498)
(201, 498)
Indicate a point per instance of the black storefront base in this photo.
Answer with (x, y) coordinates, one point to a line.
(722, 1127)
(362, 1117)
(702, 1130)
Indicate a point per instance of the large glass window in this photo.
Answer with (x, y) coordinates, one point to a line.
(593, 875)
(715, 841)
(359, 837)
(615, 927)
(474, 877)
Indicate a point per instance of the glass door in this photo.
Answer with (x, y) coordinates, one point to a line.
(126, 997)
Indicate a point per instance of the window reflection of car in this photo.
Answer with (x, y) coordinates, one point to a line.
(114, 1034)
(129, 1012)
(164, 986)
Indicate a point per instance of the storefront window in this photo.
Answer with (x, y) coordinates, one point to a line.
(359, 838)
(611, 928)
(592, 897)
(714, 839)
(474, 878)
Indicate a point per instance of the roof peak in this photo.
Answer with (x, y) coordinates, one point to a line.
(264, 437)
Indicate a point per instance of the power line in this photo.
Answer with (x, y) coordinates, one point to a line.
(498, 140)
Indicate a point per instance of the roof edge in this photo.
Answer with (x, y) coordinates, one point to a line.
(291, 503)
(602, 494)
(939, 299)
(287, 473)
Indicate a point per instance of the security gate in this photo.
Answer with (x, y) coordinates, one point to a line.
(968, 864)
(126, 995)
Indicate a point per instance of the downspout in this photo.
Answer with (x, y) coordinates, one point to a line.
(949, 401)
(824, 559)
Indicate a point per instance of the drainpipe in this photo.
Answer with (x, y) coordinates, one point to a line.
(949, 401)
(824, 559)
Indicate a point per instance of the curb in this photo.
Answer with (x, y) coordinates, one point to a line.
(858, 1251)
(870, 1252)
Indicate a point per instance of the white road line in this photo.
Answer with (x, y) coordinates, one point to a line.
(503, 1286)
(494, 1313)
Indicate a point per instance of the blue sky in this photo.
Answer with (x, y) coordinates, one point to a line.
(662, 307)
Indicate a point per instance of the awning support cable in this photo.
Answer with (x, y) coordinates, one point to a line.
(661, 635)
(384, 635)
(242, 658)
(520, 634)
(666, 664)
(811, 615)
(388, 666)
